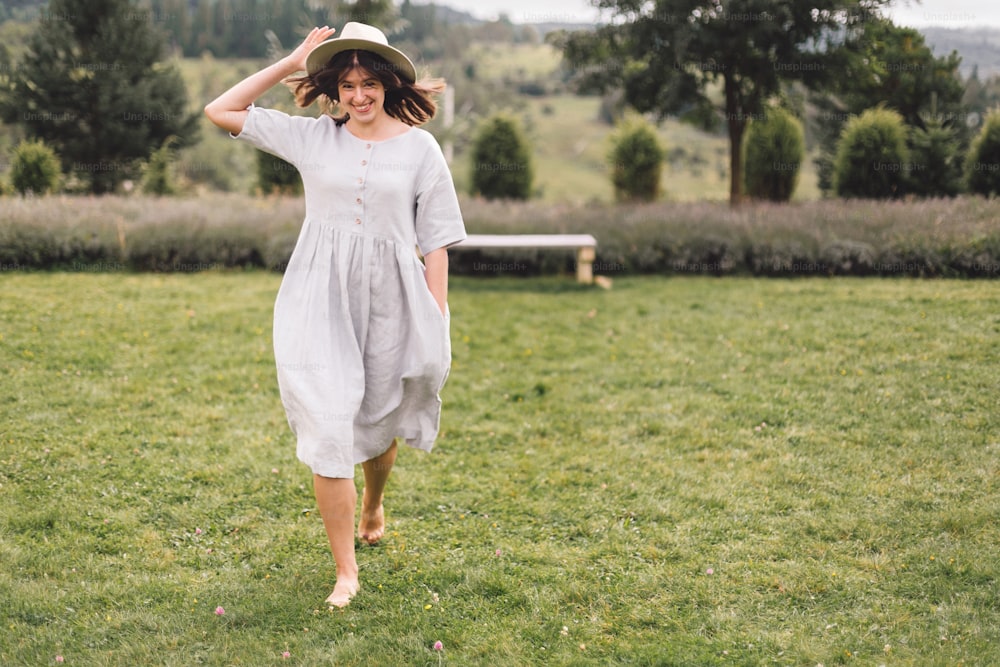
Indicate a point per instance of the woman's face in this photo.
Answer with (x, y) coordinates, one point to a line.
(361, 95)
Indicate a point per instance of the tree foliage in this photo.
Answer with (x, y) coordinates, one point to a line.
(774, 150)
(872, 160)
(666, 54)
(157, 177)
(501, 160)
(276, 176)
(935, 152)
(892, 66)
(92, 84)
(982, 166)
(636, 161)
(34, 169)
(249, 28)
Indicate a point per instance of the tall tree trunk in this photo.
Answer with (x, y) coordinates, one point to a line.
(736, 121)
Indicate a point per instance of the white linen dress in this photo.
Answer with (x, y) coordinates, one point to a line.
(361, 347)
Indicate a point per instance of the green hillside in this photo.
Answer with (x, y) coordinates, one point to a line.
(979, 47)
(570, 142)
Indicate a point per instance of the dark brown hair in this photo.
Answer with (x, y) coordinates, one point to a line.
(411, 103)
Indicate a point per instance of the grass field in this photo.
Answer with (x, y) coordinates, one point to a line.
(685, 471)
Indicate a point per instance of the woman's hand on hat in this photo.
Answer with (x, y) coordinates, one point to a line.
(315, 37)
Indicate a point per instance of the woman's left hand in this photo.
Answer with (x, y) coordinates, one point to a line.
(436, 263)
(315, 37)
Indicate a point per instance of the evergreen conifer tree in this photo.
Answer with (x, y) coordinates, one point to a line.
(636, 161)
(501, 160)
(872, 160)
(773, 152)
(35, 168)
(93, 86)
(982, 164)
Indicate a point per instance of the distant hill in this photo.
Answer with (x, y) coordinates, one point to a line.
(450, 15)
(447, 14)
(977, 46)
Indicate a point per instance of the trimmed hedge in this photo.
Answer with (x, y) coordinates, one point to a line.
(501, 160)
(144, 233)
(927, 238)
(872, 158)
(636, 161)
(35, 168)
(940, 237)
(773, 151)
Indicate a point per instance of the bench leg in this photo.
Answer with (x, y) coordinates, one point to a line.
(585, 265)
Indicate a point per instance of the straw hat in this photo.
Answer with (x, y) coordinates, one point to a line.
(365, 38)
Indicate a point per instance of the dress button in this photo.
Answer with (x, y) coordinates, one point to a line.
(358, 200)
(361, 181)
(368, 146)
(357, 221)
(364, 162)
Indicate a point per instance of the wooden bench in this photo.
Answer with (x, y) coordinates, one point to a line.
(584, 244)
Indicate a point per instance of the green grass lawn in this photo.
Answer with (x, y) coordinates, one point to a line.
(686, 471)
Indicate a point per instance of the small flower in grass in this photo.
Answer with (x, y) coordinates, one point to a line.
(286, 655)
(197, 531)
(499, 553)
(59, 658)
(438, 646)
(709, 571)
(219, 611)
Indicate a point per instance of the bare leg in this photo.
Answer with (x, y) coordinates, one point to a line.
(371, 526)
(337, 499)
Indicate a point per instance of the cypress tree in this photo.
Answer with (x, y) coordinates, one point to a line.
(275, 176)
(35, 168)
(773, 152)
(636, 161)
(872, 158)
(982, 164)
(501, 160)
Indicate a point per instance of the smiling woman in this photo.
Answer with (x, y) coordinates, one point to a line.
(364, 83)
(360, 323)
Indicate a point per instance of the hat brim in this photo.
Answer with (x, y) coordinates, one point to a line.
(321, 54)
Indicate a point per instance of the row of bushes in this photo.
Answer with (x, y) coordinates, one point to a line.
(943, 237)
(923, 238)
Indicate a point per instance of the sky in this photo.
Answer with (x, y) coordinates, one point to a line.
(945, 13)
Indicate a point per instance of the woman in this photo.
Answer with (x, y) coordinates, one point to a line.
(360, 324)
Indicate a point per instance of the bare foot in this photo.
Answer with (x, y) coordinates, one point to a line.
(342, 593)
(371, 526)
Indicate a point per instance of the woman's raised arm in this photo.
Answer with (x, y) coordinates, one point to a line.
(229, 110)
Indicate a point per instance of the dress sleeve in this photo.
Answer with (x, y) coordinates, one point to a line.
(277, 133)
(439, 221)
